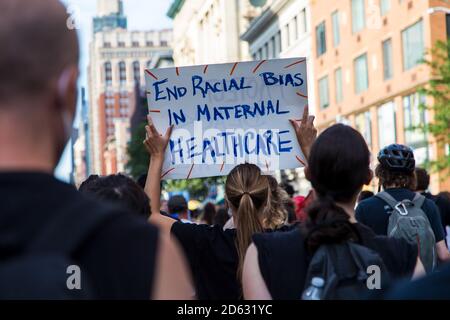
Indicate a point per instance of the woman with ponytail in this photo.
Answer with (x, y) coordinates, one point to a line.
(276, 264)
(216, 256)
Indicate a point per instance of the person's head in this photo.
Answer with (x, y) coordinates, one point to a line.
(288, 188)
(395, 167)
(247, 193)
(38, 77)
(221, 217)
(422, 179)
(177, 205)
(338, 168)
(209, 212)
(366, 194)
(118, 189)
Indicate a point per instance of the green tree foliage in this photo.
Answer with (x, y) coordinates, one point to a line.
(138, 158)
(438, 89)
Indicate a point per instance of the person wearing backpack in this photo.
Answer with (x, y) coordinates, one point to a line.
(55, 243)
(400, 212)
(330, 256)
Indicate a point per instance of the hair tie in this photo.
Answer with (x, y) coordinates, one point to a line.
(245, 192)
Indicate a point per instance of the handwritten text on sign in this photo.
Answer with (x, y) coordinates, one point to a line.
(226, 114)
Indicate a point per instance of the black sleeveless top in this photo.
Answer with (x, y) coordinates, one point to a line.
(283, 259)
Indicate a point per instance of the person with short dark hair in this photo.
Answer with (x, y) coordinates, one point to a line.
(423, 183)
(120, 256)
(209, 213)
(395, 172)
(178, 208)
(365, 194)
(118, 189)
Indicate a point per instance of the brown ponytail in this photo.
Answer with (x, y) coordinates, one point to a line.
(247, 191)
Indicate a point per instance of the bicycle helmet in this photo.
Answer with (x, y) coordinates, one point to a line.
(398, 158)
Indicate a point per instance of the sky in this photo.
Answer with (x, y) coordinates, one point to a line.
(142, 15)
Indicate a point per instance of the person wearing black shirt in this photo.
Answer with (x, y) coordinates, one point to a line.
(395, 172)
(338, 166)
(215, 255)
(125, 258)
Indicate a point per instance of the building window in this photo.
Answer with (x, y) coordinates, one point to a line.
(414, 116)
(286, 37)
(163, 43)
(273, 47)
(136, 72)
(278, 44)
(339, 95)
(387, 132)
(387, 59)
(336, 33)
(363, 123)
(303, 25)
(321, 39)
(149, 43)
(121, 44)
(294, 27)
(385, 6)
(324, 98)
(135, 44)
(108, 73)
(122, 72)
(107, 45)
(266, 50)
(361, 74)
(413, 46)
(358, 16)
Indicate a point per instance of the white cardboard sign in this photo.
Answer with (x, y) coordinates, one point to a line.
(227, 114)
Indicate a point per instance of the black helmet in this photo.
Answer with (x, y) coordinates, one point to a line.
(397, 157)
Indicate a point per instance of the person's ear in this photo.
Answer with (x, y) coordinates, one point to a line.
(68, 90)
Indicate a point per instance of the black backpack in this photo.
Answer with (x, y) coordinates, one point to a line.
(345, 271)
(43, 270)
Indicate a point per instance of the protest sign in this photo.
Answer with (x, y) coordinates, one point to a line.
(227, 114)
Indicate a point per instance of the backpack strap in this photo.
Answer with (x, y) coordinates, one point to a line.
(69, 229)
(386, 197)
(418, 200)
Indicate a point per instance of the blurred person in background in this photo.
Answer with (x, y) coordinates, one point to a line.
(221, 217)
(118, 189)
(45, 224)
(443, 204)
(365, 194)
(209, 213)
(178, 208)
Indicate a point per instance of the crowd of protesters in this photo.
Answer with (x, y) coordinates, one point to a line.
(265, 242)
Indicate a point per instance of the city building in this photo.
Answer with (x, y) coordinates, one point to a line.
(118, 58)
(208, 31)
(80, 144)
(367, 69)
(282, 30)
